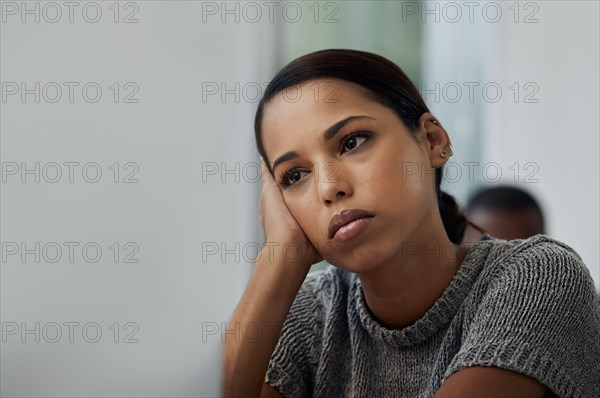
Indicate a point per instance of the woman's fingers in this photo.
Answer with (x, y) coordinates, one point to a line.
(276, 218)
(272, 205)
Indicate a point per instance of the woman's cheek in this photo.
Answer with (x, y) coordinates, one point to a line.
(301, 215)
(311, 227)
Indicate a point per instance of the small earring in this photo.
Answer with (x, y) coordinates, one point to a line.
(443, 154)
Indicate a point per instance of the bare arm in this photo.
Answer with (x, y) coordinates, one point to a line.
(269, 392)
(267, 299)
(491, 382)
(264, 304)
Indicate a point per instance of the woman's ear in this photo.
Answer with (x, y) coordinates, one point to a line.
(435, 140)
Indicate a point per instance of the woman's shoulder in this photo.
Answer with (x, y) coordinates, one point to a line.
(534, 310)
(539, 276)
(539, 244)
(535, 258)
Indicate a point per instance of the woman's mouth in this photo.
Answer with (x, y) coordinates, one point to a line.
(348, 224)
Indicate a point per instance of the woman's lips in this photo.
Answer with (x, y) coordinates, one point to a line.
(352, 229)
(349, 223)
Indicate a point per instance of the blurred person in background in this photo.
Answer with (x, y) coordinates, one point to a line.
(505, 212)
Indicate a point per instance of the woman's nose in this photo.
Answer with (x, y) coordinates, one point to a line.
(333, 183)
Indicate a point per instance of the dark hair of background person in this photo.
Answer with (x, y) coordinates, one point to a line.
(386, 83)
(505, 198)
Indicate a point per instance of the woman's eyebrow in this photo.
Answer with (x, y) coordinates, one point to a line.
(327, 135)
(334, 129)
(286, 156)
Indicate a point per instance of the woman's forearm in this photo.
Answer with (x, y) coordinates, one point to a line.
(254, 328)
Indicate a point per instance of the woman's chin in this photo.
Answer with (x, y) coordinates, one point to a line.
(358, 263)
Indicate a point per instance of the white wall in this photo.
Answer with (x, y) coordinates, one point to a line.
(172, 292)
(558, 56)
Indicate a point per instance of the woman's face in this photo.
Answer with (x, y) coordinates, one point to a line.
(335, 149)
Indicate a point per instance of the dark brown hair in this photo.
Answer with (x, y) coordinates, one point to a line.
(386, 83)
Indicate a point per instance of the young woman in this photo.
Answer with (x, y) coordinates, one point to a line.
(353, 165)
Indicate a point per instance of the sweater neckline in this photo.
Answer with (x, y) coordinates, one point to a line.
(440, 313)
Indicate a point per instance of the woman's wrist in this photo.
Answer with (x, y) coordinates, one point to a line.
(285, 262)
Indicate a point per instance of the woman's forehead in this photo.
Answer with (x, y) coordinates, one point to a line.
(312, 107)
(322, 91)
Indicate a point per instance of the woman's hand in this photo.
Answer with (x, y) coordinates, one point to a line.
(281, 228)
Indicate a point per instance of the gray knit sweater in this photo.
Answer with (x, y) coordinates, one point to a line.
(524, 305)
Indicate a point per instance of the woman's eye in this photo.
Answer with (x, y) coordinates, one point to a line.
(354, 141)
(292, 177)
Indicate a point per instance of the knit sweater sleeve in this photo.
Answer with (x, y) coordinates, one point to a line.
(540, 317)
(292, 365)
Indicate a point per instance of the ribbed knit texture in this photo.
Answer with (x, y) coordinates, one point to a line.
(528, 306)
